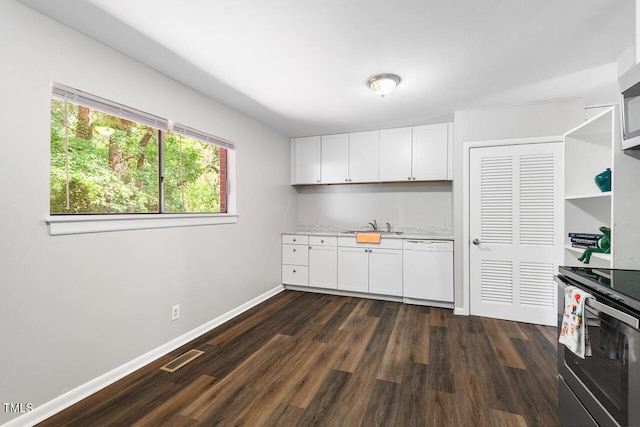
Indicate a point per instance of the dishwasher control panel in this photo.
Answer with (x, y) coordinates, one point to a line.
(428, 245)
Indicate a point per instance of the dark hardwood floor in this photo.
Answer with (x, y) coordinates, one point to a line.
(303, 359)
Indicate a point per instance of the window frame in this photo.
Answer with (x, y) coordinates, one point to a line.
(65, 224)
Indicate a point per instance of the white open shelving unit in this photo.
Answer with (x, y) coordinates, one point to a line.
(588, 151)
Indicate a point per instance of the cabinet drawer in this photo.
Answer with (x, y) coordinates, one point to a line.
(384, 243)
(323, 241)
(295, 239)
(295, 275)
(295, 254)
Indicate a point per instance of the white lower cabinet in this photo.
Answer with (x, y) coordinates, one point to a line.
(385, 271)
(353, 269)
(295, 275)
(420, 271)
(323, 262)
(295, 260)
(371, 268)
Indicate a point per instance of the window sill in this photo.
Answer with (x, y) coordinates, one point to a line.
(81, 224)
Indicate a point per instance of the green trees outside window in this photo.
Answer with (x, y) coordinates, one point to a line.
(102, 164)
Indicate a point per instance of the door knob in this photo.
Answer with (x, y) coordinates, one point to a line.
(476, 242)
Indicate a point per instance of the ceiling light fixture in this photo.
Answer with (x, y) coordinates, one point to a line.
(383, 84)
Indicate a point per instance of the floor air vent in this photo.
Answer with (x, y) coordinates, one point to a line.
(180, 361)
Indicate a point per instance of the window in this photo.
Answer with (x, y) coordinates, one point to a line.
(107, 158)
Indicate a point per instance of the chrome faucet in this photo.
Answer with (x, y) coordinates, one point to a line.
(374, 224)
(388, 227)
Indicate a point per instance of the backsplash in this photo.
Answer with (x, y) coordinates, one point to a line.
(411, 206)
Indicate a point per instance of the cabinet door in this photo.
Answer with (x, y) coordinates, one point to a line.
(364, 155)
(430, 152)
(385, 271)
(335, 158)
(295, 275)
(295, 254)
(323, 267)
(306, 167)
(395, 154)
(353, 269)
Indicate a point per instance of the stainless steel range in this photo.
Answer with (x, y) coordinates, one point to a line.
(602, 389)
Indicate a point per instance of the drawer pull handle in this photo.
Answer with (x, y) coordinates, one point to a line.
(321, 241)
(294, 250)
(294, 271)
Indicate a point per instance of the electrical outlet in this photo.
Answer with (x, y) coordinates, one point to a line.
(175, 312)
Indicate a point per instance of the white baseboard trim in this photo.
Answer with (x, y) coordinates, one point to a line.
(52, 407)
(461, 311)
(344, 293)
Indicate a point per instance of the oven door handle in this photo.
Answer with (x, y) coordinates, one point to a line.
(616, 314)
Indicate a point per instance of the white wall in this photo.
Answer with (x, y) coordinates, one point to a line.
(75, 307)
(402, 205)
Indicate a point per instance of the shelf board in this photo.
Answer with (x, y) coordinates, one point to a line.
(602, 123)
(588, 196)
(606, 257)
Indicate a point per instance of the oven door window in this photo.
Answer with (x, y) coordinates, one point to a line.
(605, 372)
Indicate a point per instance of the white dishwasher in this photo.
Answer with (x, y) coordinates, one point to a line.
(427, 271)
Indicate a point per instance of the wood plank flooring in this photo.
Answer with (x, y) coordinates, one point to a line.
(304, 359)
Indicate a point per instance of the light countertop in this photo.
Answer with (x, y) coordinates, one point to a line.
(414, 233)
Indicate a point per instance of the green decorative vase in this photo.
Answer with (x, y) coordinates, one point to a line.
(603, 180)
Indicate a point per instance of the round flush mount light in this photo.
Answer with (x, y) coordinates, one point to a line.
(383, 84)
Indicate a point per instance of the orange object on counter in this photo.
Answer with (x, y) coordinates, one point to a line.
(368, 237)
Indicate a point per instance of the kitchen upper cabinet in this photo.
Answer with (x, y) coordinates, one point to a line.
(350, 157)
(430, 152)
(419, 153)
(395, 154)
(335, 158)
(307, 156)
(323, 262)
(364, 156)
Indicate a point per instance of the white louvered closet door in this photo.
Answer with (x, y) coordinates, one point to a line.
(515, 231)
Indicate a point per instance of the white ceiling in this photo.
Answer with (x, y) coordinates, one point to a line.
(301, 66)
